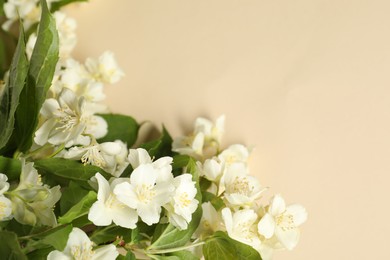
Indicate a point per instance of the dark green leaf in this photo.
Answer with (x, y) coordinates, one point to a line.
(120, 127)
(160, 147)
(9, 101)
(58, 238)
(1, 7)
(55, 6)
(172, 237)
(204, 183)
(40, 254)
(40, 74)
(68, 169)
(110, 233)
(80, 209)
(221, 246)
(71, 195)
(180, 161)
(10, 167)
(9, 246)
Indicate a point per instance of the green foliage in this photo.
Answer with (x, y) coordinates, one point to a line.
(10, 167)
(217, 202)
(10, 99)
(9, 246)
(160, 147)
(128, 256)
(40, 74)
(184, 255)
(71, 195)
(58, 238)
(121, 127)
(80, 209)
(68, 169)
(168, 236)
(221, 246)
(55, 6)
(110, 233)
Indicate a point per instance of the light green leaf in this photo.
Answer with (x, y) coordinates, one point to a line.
(217, 202)
(80, 209)
(221, 246)
(128, 256)
(9, 246)
(9, 100)
(187, 255)
(10, 167)
(168, 236)
(55, 6)
(40, 74)
(58, 238)
(68, 169)
(121, 127)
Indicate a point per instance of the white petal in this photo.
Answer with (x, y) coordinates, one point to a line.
(104, 188)
(49, 107)
(144, 174)
(77, 238)
(57, 255)
(110, 148)
(150, 214)
(227, 219)
(298, 212)
(98, 214)
(107, 252)
(98, 127)
(42, 134)
(124, 193)
(288, 238)
(266, 226)
(138, 156)
(277, 205)
(124, 217)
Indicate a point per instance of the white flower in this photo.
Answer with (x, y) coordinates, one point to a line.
(101, 155)
(28, 11)
(104, 69)
(66, 27)
(211, 169)
(33, 202)
(121, 162)
(64, 119)
(190, 145)
(183, 202)
(240, 188)
(5, 203)
(213, 133)
(241, 226)
(79, 246)
(144, 194)
(108, 209)
(210, 222)
(233, 154)
(282, 222)
(140, 156)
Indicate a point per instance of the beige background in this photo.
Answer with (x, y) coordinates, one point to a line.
(305, 81)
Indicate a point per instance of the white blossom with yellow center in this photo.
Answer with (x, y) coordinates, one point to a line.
(80, 247)
(108, 209)
(145, 193)
(282, 222)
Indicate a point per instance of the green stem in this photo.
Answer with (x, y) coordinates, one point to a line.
(171, 250)
(62, 146)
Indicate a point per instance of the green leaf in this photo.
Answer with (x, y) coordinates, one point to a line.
(1, 7)
(187, 255)
(80, 209)
(221, 246)
(71, 195)
(121, 127)
(40, 74)
(10, 99)
(217, 202)
(10, 167)
(160, 147)
(68, 169)
(58, 238)
(9, 246)
(161, 257)
(55, 6)
(40, 254)
(168, 236)
(128, 256)
(110, 233)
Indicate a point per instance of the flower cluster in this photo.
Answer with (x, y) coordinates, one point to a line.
(74, 184)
